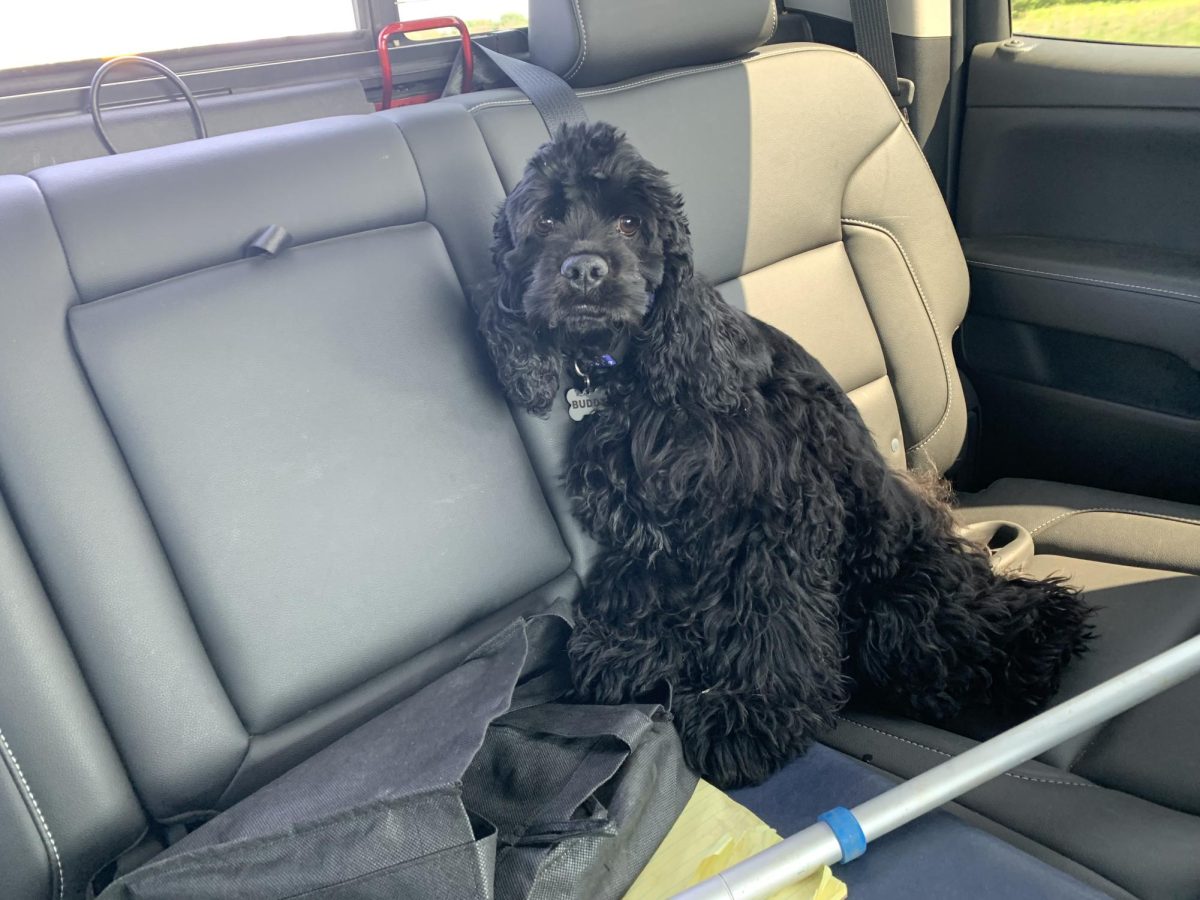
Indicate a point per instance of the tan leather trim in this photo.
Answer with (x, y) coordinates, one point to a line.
(1109, 509)
(876, 403)
(1094, 523)
(793, 167)
(814, 298)
(947, 364)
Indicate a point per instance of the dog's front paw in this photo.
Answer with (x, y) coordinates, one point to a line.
(737, 740)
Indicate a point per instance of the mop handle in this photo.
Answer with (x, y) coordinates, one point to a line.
(824, 844)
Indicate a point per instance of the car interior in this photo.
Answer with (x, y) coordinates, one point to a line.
(256, 491)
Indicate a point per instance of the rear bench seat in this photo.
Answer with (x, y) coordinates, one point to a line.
(261, 499)
(267, 497)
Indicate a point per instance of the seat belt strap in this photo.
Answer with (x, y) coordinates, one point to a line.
(553, 98)
(873, 40)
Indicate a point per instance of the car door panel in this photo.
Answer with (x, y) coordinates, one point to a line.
(1079, 207)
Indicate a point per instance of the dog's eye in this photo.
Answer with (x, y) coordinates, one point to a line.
(544, 225)
(629, 225)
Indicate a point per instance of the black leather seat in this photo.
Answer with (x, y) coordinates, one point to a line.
(267, 497)
(254, 501)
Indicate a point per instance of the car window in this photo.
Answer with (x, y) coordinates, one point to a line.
(480, 16)
(1168, 22)
(30, 36)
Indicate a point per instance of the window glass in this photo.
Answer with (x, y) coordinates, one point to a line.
(1173, 22)
(481, 16)
(89, 29)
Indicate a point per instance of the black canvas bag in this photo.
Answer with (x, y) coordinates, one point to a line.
(475, 787)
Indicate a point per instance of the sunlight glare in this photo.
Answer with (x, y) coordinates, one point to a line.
(87, 29)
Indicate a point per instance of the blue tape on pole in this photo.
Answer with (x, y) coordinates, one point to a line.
(847, 831)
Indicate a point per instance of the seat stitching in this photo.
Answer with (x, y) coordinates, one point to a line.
(1082, 784)
(774, 22)
(517, 102)
(682, 73)
(1112, 509)
(937, 334)
(583, 48)
(1067, 276)
(1082, 753)
(897, 737)
(951, 756)
(37, 811)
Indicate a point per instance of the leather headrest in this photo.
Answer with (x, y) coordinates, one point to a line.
(591, 42)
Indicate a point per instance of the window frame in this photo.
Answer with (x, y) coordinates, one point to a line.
(61, 88)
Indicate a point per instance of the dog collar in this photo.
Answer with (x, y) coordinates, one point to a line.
(589, 368)
(595, 366)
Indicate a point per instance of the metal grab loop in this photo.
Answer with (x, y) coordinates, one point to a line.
(102, 72)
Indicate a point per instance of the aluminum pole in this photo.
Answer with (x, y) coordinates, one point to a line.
(806, 851)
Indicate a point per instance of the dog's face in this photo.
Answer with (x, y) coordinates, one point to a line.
(592, 255)
(583, 237)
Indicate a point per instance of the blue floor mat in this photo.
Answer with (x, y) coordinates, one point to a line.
(937, 857)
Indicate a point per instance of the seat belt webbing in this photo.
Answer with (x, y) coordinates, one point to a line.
(873, 40)
(553, 98)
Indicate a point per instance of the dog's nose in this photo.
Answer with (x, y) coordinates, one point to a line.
(584, 270)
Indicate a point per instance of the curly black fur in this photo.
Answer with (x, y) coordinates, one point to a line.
(761, 557)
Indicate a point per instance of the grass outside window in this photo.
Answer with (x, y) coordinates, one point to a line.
(1167, 22)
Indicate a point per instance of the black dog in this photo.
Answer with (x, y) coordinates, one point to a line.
(762, 559)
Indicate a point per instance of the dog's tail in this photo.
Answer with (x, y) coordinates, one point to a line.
(1042, 624)
(934, 629)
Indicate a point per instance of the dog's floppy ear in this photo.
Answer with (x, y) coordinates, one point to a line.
(673, 231)
(688, 354)
(529, 371)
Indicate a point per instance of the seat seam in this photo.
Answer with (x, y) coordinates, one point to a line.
(937, 334)
(1112, 509)
(62, 244)
(1068, 276)
(867, 384)
(583, 46)
(788, 257)
(119, 295)
(1088, 746)
(139, 502)
(904, 740)
(667, 76)
(44, 826)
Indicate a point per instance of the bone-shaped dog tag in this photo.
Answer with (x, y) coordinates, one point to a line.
(583, 403)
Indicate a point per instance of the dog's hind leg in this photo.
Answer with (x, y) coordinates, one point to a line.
(933, 629)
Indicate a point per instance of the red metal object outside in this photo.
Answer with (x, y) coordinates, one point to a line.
(385, 61)
(414, 99)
